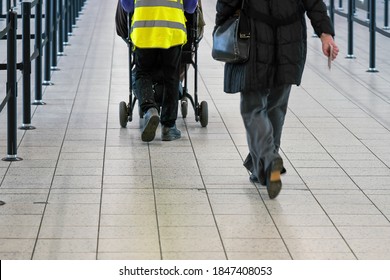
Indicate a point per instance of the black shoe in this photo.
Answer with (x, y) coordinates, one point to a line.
(152, 120)
(254, 179)
(273, 181)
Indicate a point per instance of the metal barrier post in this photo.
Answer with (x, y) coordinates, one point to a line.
(12, 86)
(48, 37)
(74, 13)
(372, 28)
(38, 59)
(61, 28)
(66, 22)
(77, 8)
(331, 10)
(54, 36)
(69, 9)
(368, 12)
(350, 29)
(80, 7)
(26, 37)
(340, 8)
(386, 17)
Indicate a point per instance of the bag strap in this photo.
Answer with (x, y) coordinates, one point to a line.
(244, 27)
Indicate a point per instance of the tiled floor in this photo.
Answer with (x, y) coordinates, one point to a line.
(89, 189)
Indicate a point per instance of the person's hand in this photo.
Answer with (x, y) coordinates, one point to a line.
(327, 42)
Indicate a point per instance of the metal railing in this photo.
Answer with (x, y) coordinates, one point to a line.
(60, 17)
(370, 21)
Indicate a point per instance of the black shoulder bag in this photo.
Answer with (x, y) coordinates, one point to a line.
(231, 40)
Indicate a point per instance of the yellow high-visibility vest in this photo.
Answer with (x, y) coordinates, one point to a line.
(158, 24)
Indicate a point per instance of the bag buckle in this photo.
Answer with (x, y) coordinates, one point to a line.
(245, 35)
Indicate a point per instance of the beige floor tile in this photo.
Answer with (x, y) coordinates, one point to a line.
(89, 189)
(129, 245)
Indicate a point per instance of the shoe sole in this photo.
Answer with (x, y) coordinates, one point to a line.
(149, 131)
(275, 182)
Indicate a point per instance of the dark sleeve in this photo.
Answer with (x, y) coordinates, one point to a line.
(190, 6)
(128, 5)
(318, 15)
(225, 9)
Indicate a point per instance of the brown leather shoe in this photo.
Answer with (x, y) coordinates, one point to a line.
(273, 180)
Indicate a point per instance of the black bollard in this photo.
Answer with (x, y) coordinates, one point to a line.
(12, 88)
(26, 50)
(38, 59)
(350, 29)
(372, 27)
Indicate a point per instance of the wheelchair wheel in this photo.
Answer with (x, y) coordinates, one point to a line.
(123, 114)
(184, 107)
(203, 114)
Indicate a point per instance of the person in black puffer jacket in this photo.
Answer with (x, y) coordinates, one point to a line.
(277, 59)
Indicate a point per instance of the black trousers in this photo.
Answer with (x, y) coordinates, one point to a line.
(147, 62)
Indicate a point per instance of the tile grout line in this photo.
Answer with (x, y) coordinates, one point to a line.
(105, 139)
(155, 204)
(207, 194)
(59, 155)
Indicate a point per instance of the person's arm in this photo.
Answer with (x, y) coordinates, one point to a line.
(190, 6)
(225, 9)
(318, 14)
(128, 5)
(323, 27)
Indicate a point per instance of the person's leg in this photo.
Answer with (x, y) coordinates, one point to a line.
(259, 130)
(264, 159)
(170, 59)
(277, 109)
(145, 64)
(170, 66)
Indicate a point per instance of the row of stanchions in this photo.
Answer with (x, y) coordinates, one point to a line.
(370, 22)
(60, 18)
(366, 5)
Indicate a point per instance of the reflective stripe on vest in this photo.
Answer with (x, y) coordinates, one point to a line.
(158, 24)
(162, 3)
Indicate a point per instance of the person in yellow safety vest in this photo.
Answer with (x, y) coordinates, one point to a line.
(158, 32)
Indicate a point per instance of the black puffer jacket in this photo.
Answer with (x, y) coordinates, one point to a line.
(278, 54)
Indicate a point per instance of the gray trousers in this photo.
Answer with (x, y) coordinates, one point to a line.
(263, 112)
